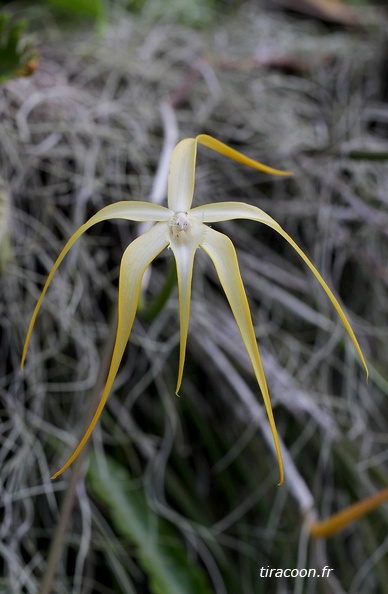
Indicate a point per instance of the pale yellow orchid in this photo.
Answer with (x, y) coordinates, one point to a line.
(184, 229)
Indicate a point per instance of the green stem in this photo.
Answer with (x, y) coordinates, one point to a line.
(149, 311)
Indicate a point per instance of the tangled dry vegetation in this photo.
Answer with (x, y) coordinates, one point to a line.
(89, 128)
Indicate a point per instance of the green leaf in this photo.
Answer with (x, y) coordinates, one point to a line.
(158, 547)
(17, 58)
(90, 9)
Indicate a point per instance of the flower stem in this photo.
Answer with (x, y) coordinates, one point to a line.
(149, 311)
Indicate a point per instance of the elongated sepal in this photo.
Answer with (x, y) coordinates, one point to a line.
(226, 211)
(225, 150)
(138, 255)
(132, 211)
(221, 251)
(184, 258)
(186, 234)
(182, 175)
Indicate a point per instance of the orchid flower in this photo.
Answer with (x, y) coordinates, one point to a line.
(183, 229)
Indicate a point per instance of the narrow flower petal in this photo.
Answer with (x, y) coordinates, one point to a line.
(221, 251)
(350, 514)
(225, 150)
(186, 233)
(138, 255)
(132, 211)
(225, 211)
(182, 175)
(184, 257)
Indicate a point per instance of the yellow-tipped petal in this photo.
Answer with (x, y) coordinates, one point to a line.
(225, 150)
(350, 514)
(328, 292)
(182, 175)
(221, 251)
(133, 211)
(225, 211)
(138, 255)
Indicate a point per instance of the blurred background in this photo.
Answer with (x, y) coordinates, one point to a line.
(179, 495)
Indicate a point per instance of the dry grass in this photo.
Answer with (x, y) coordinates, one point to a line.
(86, 130)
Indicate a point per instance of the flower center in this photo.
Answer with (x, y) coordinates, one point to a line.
(185, 230)
(179, 225)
